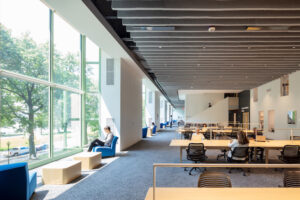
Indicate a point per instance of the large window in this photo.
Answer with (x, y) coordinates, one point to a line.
(93, 95)
(29, 101)
(284, 85)
(66, 54)
(24, 131)
(24, 40)
(66, 121)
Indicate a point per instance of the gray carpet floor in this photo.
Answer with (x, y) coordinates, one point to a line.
(130, 176)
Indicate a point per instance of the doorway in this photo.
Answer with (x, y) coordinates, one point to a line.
(261, 120)
(246, 120)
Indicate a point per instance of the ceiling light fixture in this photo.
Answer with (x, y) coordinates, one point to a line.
(160, 47)
(211, 29)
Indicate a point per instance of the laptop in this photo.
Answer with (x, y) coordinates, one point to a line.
(260, 138)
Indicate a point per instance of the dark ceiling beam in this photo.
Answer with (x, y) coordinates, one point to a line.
(217, 44)
(280, 53)
(234, 62)
(211, 64)
(216, 48)
(206, 5)
(204, 29)
(199, 57)
(224, 58)
(201, 52)
(159, 14)
(214, 35)
(225, 39)
(221, 68)
(211, 22)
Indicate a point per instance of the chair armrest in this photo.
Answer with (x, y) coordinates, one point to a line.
(32, 183)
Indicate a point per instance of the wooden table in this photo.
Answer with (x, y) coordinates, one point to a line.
(224, 193)
(221, 144)
(89, 160)
(61, 172)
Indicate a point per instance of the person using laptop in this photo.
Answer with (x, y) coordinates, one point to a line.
(107, 141)
(241, 141)
(198, 135)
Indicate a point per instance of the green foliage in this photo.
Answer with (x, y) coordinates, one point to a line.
(24, 105)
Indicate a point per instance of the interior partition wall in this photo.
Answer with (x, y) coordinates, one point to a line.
(49, 85)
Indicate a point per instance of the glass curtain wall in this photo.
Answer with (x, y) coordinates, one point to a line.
(93, 91)
(41, 85)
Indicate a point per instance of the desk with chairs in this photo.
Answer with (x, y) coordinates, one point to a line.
(224, 193)
(223, 144)
(217, 186)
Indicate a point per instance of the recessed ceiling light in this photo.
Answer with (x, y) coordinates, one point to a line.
(192, 87)
(160, 47)
(204, 47)
(293, 47)
(199, 64)
(249, 47)
(211, 29)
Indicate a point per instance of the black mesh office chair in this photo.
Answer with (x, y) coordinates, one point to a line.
(291, 179)
(214, 180)
(239, 155)
(195, 152)
(290, 154)
(188, 135)
(207, 135)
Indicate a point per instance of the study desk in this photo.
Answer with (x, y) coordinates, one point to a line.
(221, 144)
(178, 193)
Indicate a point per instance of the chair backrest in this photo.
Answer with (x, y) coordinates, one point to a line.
(14, 181)
(114, 142)
(240, 152)
(291, 179)
(154, 129)
(196, 152)
(188, 135)
(207, 135)
(291, 151)
(214, 180)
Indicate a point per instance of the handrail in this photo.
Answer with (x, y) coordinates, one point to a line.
(156, 165)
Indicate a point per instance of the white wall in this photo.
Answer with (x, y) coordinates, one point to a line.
(150, 107)
(111, 97)
(198, 103)
(157, 109)
(131, 104)
(215, 114)
(178, 114)
(162, 110)
(269, 99)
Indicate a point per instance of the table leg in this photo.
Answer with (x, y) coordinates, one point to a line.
(180, 149)
(255, 153)
(267, 155)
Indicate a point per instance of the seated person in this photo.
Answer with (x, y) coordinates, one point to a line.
(198, 135)
(152, 125)
(107, 142)
(241, 141)
(204, 129)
